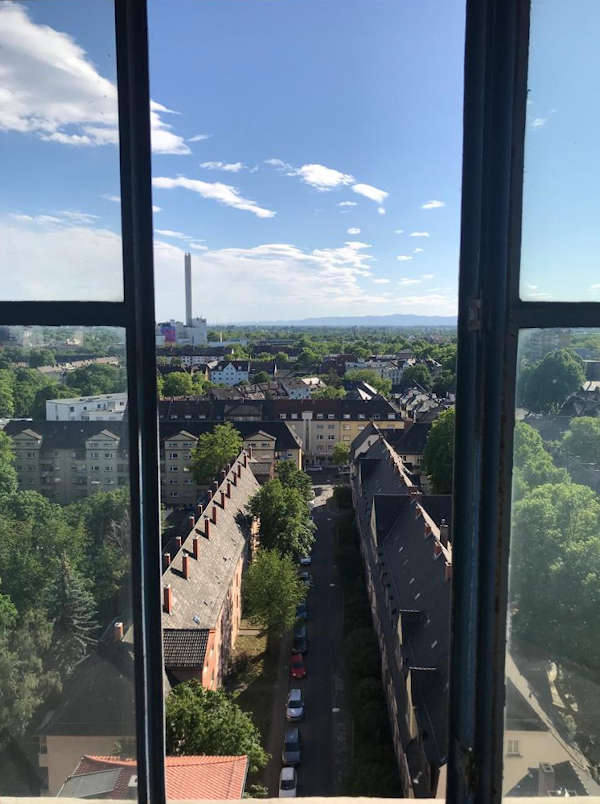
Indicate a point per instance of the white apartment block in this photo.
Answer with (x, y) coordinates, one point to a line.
(230, 372)
(387, 370)
(103, 407)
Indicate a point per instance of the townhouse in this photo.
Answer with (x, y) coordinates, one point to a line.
(230, 372)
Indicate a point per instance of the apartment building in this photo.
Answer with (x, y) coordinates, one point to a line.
(230, 372)
(319, 424)
(202, 580)
(102, 407)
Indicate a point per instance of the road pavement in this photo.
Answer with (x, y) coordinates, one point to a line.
(325, 731)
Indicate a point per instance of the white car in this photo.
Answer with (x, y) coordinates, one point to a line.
(288, 783)
(295, 705)
(306, 561)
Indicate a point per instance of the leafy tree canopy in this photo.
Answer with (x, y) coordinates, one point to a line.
(214, 451)
(285, 524)
(583, 438)
(201, 721)
(272, 591)
(418, 374)
(438, 457)
(371, 377)
(329, 393)
(177, 383)
(294, 478)
(8, 473)
(341, 454)
(98, 378)
(544, 386)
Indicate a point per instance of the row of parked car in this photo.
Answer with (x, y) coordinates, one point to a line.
(294, 711)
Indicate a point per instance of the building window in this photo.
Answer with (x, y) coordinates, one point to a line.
(512, 749)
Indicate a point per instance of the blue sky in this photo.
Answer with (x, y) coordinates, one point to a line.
(300, 149)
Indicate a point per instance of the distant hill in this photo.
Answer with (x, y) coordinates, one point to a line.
(393, 320)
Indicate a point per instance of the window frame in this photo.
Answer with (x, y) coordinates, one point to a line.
(135, 314)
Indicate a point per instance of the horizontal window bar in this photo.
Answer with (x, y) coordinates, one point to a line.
(64, 313)
(549, 315)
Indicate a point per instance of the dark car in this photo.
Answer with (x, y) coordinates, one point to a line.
(292, 751)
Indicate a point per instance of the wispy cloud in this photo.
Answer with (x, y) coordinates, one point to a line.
(171, 233)
(199, 137)
(64, 217)
(321, 177)
(539, 122)
(116, 199)
(418, 250)
(403, 257)
(51, 89)
(427, 276)
(398, 231)
(407, 281)
(373, 193)
(353, 230)
(223, 193)
(419, 234)
(156, 208)
(381, 210)
(347, 204)
(229, 167)
(197, 245)
(433, 205)
(381, 281)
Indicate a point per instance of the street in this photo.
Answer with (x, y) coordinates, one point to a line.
(325, 730)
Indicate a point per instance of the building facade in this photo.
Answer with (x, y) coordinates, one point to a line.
(230, 372)
(102, 407)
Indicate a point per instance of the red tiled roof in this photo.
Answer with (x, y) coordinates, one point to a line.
(188, 777)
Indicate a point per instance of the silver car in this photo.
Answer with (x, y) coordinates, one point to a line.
(295, 705)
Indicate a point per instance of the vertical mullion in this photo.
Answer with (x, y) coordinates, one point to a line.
(495, 84)
(136, 214)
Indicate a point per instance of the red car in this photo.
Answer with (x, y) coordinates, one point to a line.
(297, 666)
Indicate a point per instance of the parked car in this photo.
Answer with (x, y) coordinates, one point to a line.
(302, 611)
(306, 561)
(288, 783)
(295, 705)
(314, 468)
(292, 747)
(300, 643)
(305, 578)
(297, 666)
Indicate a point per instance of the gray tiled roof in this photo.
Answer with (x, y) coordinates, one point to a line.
(184, 647)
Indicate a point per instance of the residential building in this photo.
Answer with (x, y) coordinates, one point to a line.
(407, 557)
(202, 580)
(409, 443)
(186, 778)
(69, 460)
(230, 372)
(102, 407)
(386, 367)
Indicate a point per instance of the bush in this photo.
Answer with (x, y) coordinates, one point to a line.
(343, 496)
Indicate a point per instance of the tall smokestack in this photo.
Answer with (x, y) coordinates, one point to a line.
(188, 290)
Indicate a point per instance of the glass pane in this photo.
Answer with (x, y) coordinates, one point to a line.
(66, 636)
(551, 742)
(60, 229)
(561, 204)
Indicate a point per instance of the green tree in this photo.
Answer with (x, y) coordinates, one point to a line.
(8, 473)
(341, 454)
(201, 721)
(294, 478)
(72, 609)
(546, 385)
(53, 390)
(7, 404)
(372, 378)
(443, 383)
(533, 465)
(583, 438)
(98, 378)
(261, 376)
(27, 384)
(285, 524)
(438, 457)
(418, 374)
(214, 451)
(271, 592)
(41, 357)
(329, 392)
(178, 383)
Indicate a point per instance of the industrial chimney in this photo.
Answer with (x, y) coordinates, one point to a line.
(188, 290)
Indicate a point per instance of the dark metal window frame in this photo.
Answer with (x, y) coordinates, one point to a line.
(491, 315)
(136, 315)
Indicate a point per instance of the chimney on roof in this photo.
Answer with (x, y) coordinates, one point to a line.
(167, 558)
(188, 289)
(214, 515)
(228, 489)
(250, 452)
(199, 509)
(546, 782)
(196, 547)
(223, 499)
(444, 533)
(178, 542)
(448, 572)
(234, 478)
(167, 599)
(215, 486)
(244, 460)
(185, 566)
(239, 468)
(191, 521)
(223, 474)
(118, 631)
(207, 528)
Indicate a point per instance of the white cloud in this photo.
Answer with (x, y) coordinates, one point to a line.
(155, 208)
(433, 205)
(199, 137)
(381, 281)
(427, 276)
(381, 210)
(51, 89)
(403, 258)
(539, 122)
(116, 199)
(347, 204)
(171, 233)
(373, 193)
(278, 163)
(398, 231)
(406, 281)
(64, 217)
(229, 167)
(353, 230)
(197, 245)
(418, 250)
(223, 193)
(419, 234)
(321, 177)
